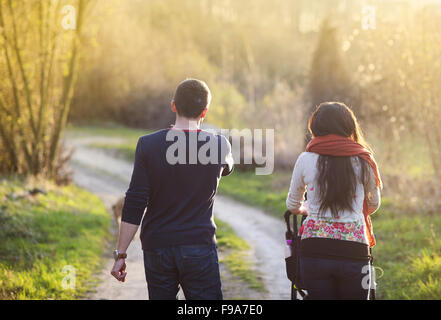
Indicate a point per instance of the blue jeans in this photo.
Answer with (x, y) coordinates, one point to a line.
(328, 279)
(195, 268)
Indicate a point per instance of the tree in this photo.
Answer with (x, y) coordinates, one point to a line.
(328, 78)
(38, 62)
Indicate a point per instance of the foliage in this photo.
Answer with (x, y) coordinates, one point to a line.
(329, 80)
(285, 112)
(398, 67)
(39, 64)
(221, 42)
(226, 111)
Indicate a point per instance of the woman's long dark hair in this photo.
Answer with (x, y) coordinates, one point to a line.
(336, 178)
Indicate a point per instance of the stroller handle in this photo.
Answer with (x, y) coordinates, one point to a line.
(294, 230)
(287, 216)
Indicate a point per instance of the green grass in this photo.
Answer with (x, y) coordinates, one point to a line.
(236, 256)
(410, 155)
(408, 251)
(266, 192)
(40, 235)
(108, 130)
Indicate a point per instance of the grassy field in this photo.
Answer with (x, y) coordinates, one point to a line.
(408, 250)
(236, 250)
(109, 130)
(40, 235)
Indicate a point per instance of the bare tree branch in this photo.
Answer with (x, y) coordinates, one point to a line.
(68, 86)
(21, 68)
(14, 90)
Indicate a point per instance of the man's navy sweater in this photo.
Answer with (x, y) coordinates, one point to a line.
(179, 197)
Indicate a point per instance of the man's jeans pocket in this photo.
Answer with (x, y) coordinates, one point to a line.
(154, 260)
(199, 257)
(200, 272)
(197, 251)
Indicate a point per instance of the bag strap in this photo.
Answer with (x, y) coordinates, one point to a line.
(288, 234)
(295, 227)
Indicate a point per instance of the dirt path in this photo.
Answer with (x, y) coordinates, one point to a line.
(108, 178)
(265, 235)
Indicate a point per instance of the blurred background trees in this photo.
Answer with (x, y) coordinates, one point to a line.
(269, 64)
(328, 78)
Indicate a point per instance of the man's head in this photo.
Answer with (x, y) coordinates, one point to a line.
(192, 98)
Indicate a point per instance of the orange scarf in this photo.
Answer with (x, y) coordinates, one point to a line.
(338, 146)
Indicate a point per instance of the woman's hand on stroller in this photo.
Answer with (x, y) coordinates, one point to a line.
(304, 208)
(301, 211)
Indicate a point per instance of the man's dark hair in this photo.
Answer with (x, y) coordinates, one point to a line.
(191, 97)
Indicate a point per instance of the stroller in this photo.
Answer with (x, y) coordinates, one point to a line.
(293, 260)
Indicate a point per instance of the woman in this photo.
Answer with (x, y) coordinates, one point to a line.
(343, 184)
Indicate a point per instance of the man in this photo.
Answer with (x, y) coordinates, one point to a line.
(178, 230)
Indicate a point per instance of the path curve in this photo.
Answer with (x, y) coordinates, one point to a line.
(108, 178)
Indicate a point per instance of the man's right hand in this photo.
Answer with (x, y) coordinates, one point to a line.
(119, 270)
